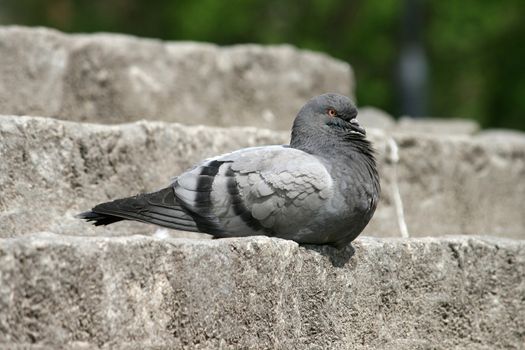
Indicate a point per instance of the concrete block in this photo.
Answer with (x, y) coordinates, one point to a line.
(431, 185)
(446, 126)
(51, 169)
(372, 117)
(462, 185)
(141, 292)
(109, 78)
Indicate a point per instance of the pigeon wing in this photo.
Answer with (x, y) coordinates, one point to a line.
(260, 190)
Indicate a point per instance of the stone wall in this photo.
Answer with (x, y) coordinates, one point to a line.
(53, 169)
(111, 78)
(65, 283)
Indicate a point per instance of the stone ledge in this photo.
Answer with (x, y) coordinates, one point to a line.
(112, 78)
(52, 169)
(137, 292)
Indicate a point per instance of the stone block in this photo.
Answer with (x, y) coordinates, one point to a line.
(446, 126)
(462, 185)
(372, 117)
(142, 292)
(51, 169)
(110, 78)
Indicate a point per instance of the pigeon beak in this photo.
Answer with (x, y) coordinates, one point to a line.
(356, 127)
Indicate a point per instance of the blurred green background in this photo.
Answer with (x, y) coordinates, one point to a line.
(471, 53)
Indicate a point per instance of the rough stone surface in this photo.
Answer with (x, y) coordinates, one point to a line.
(446, 126)
(52, 169)
(132, 286)
(261, 293)
(113, 78)
(501, 135)
(462, 185)
(372, 117)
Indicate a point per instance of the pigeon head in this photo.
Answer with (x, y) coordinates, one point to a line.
(332, 111)
(327, 123)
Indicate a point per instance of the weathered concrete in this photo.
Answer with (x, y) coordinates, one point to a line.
(112, 78)
(372, 117)
(87, 287)
(52, 169)
(501, 135)
(462, 185)
(445, 126)
(142, 292)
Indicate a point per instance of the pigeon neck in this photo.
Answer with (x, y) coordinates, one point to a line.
(344, 147)
(340, 147)
(331, 144)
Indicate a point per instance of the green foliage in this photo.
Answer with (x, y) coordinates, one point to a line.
(474, 48)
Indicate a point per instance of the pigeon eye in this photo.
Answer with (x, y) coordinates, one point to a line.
(331, 112)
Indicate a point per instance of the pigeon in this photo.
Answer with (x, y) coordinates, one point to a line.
(322, 188)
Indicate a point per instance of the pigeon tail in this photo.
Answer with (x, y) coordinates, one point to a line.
(97, 218)
(160, 208)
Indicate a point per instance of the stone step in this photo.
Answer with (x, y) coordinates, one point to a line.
(141, 292)
(110, 78)
(51, 169)
(130, 285)
(431, 184)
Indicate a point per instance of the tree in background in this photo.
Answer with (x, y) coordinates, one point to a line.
(474, 49)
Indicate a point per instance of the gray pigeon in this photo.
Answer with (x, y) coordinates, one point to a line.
(323, 188)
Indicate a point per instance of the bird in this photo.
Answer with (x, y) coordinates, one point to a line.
(320, 189)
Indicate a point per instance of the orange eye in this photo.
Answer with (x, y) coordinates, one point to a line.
(331, 112)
